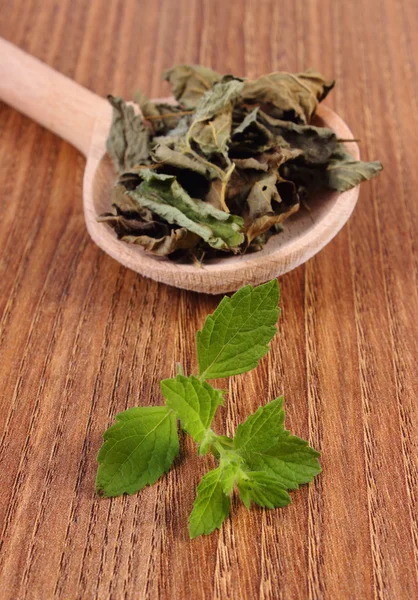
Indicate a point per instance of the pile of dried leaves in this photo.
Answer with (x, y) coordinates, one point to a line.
(225, 166)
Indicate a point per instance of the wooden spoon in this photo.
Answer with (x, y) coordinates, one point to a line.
(83, 119)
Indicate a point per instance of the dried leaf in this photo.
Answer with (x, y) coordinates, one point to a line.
(213, 137)
(164, 196)
(262, 194)
(135, 224)
(271, 159)
(162, 116)
(249, 135)
(341, 172)
(251, 163)
(218, 98)
(288, 96)
(177, 239)
(128, 140)
(249, 120)
(316, 143)
(267, 206)
(228, 163)
(127, 218)
(344, 172)
(264, 223)
(171, 152)
(210, 128)
(190, 82)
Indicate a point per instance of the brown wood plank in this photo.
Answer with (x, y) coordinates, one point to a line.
(81, 338)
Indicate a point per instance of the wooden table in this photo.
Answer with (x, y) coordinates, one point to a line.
(82, 338)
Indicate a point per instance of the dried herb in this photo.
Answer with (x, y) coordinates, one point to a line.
(220, 170)
(190, 82)
(262, 461)
(292, 96)
(128, 141)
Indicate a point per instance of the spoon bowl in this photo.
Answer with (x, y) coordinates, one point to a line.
(305, 233)
(83, 118)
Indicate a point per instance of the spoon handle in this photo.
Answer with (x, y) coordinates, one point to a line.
(48, 97)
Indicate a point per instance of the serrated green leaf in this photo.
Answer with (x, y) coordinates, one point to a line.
(224, 442)
(265, 445)
(263, 489)
(261, 429)
(230, 473)
(164, 196)
(194, 403)
(235, 336)
(289, 458)
(211, 506)
(137, 450)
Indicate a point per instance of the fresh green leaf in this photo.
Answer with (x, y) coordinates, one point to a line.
(263, 489)
(128, 140)
(261, 429)
(263, 460)
(231, 471)
(235, 336)
(290, 459)
(137, 450)
(265, 445)
(194, 402)
(190, 82)
(163, 195)
(211, 506)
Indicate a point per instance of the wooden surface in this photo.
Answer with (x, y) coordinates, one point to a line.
(81, 337)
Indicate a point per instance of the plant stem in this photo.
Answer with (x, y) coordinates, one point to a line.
(179, 369)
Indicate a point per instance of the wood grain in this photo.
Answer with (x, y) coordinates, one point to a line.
(81, 337)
